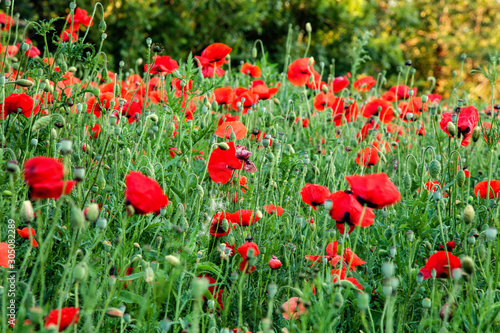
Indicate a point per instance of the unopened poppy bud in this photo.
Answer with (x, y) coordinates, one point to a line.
(363, 301)
(428, 245)
(25, 47)
(392, 251)
(407, 181)
(127, 318)
(388, 269)
(72, 6)
(66, 146)
(130, 210)
(76, 217)
(34, 142)
(409, 115)
(324, 89)
(460, 177)
(451, 128)
(420, 278)
(102, 26)
(491, 233)
(468, 265)
(426, 303)
(199, 286)
(24, 83)
(200, 190)
(276, 101)
(328, 204)
(12, 167)
(223, 146)
(338, 300)
(471, 240)
(27, 212)
(424, 98)
(274, 263)
(101, 223)
(433, 273)
(476, 133)
(92, 212)
(311, 62)
(80, 273)
(468, 214)
(72, 69)
(437, 195)
(308, 28)
(53, 133)
(434, 169)
(114, 312)
(254, 52)
(149, 275)
(411, 235)
(173, 260)
(387, 290)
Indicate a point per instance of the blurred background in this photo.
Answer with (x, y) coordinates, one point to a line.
(432, 33)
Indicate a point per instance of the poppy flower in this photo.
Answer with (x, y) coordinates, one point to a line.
(367, 157)
(19, 103)
(227, 118)
(323, 101)
(439, 262)
(224, 95)
(342, 275)
(80, 17)
(161, 65)
(402, 91)
(4, 256)
(467, 120)
(51, 190)
(349, 259)
(272, 209)
(251, 70)
(68, 36)
(432, 186)
(315, 82)
(449, 246)
(365, 130)
(261, 89)
(339, 83)
(94, 131)
(364, 84)
(214, 290)
(98, 105)
(225, 129)
(28, 233)
(344, 111)
(378, 107)
(214, 55)
(69, 316)
(211, 71)
(274, 263)
(314, 195)
(246, 99)
(293, 308)
(243, 217)
(244, 250)
(347, 210)
(246, 268)
(144, 193)
(5, 22)
(42, 169)
(219, 228)
(375, 190)
(131, 110)
(480, 189)
(434, 98)
(299, 71)
(389, 96)
(222, 163)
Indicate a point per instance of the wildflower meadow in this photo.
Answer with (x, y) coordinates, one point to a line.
(202, 194)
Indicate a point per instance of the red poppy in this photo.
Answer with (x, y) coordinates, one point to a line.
(131, 110)
(323, 101)
(19, 103)
(51, 189)
(227, 117)
(389, 96)
(434, 98)
(341, 274)
(274, 263)
(293, 308)
(378, 107)
(314, 195)
(144, 193)
(450, 245)
(161, 65)
(300, 71)
(315, 82)
(68, 317)
(364, 84)
(344, 111)
(214, 55)
(365, 130)
(480, 189)
(247, 99)
(224, 95)
(5, 22)
(217, 227)
(367, 157)
(376, 190)
(349, 258)
(243, 217)
(94, 131)
(347, 210)
(222, 163)
(4, 256)
(402, 91)
(42, 169)
(339, 83)
(80, 16)
(468, 119)
(225, 129)
(95, 105)
(439, 262)
(28, 233)
(214, 290)
(272, 209)
(261, 89)
(244, 249)
(33, 51)
(251, 70)
(246, 268)
(211, 71)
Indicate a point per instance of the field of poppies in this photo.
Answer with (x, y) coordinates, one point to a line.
(200, 195)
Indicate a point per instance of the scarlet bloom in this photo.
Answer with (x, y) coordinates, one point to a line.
(69, 316)
(243, 217)
(19, 103)
(216, 292)
(245, 249)
(347, 210)
(344, 109)
(98, 105)
(364, 84)
(219, 228)
(450, 245)
(224, 95)
(261, 89)
(225, 129)
(222, 163)
(323, 101)
(80, 16)
(227, 118)
(300, 71)
(367, 157)
(402, 91)
(251, 70)
(144, 193)
(274, 263)
(468, 119)
(272, 209)
(28, 233)
(94, 131)
(5, 22)
(4, 255)
(340, 83)
(44, 177)
(214, 55)
(249, 97)
(51, 190)
(161, 65)
(68, 36)
(341, 274)
(314, 195)
(378, 107)
(480, 189)
(376, 190)
(439, 262)
(293, 308)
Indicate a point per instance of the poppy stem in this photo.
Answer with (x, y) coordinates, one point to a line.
(101, 162)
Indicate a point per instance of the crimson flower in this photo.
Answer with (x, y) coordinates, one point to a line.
(225, 129)
(80, 16)
(144, 193)
(19, 103)
(449, 246)
(467, 120)
(314, 195)
(217, 227)
(214, 55)
(244, 249)
(344, 109)
(300, 71)
(364, 84)
(222, 163)
(378, 107)
(293, 308)
(337, 274)
(224, 95)
(439, 262)
(272, 209)
(347, 210)
(5, 22)
(274, 263)
(402, 91)
(216, 292)
(376, 190)
(367, 157)
(28, 233)
(101, 104)
(243, 217)
(68, 316)
(44, 177)
(251, 70)
(161, 65)
(480, 189)
(340, 83)
(261, 89)
(227, 117)
(4, 256)
(323, 101)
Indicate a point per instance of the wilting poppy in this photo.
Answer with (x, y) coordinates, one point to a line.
(219, 228)
(19, 103)
(480, 189)
(28, 233)
(378, 107)
(243, 154)
(299, 71)
(161, 65)
(439, 262)
(375, 190)
(68, 317)
(293, 308)
(144, 193)
(339, 83)
(272, 209)
(347, 210)
(314, 195)
(243, 217)
(251, 70)
(222, 163)
(367, 157)
(225, 129)
(364, 84)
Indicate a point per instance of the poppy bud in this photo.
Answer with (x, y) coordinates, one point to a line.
(476, 133)
(409, 115)
(427, 245)
(199, 286)
(411, 235)
(324, 89)
(407, 181)
(66, 146)
(311, 62)
(27, 212)
(451, 128)
(149, 275)
(24, 83)
(468, 265)
(308, 28)
(223, 146)
(387, 290)
(420, 278)
(200, 190)
(363, 301)
(460, 177)
(80, 273)
(437, 195)
(76, 217)
(12, 167)
(92, 212)
(338, 300)
(468, 214)
(276, 101)
(491, 233)
(434, 169)
(392, 251)
(426, 303)
(53, 133)
(173, 260)
(254, 52)
(388, 269)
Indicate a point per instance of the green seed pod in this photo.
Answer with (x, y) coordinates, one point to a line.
(434, 169)
(428, 245)
(426, 303)
(200, 190)
(476, 133)
(338, 300)
(363, 301)
(452, 129)
(460, 178)
(101, 181)
(169, 131)
(407, 181)
(468, 214)
(77, 218)
(436, 195)
(468, 265)
(80, 272)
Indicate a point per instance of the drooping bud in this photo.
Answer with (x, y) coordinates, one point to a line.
(407, 181)
(426, 303)
(468, 265)
(80, 272)
(223, 146)
(173, 260)
(308, 28)
(101, 223)
(76, 217)
(491, 233)
(149, 274)
(434, 169)
(338, 300)
(460, 177)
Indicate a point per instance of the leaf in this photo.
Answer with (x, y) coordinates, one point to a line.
(128, 297)
(40, 123)
(131, 277)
